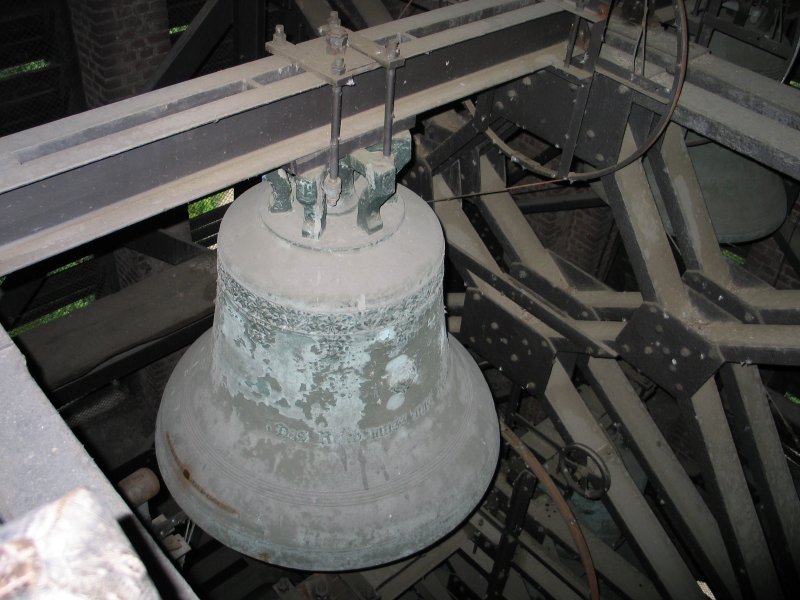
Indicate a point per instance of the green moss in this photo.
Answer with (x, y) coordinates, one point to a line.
(733, 257)
(56, 314)
(202, 206)
(29, 67)
(178, 29)
(70, 265)
(792, 398)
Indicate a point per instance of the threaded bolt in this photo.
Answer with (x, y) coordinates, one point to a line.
(338, 66)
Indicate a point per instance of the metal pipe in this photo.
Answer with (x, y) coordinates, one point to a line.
(336, 125)
(388, 114)
(561, 506)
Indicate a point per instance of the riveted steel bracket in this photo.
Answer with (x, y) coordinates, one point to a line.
(282, 190)
(315, 56)
(367, 178)
(497, 330)
(309, 193)
(379, 173)
(557, 295)
(667, 350)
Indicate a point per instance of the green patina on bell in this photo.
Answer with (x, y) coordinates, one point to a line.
(328, 421)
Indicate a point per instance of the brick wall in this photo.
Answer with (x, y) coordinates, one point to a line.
(584, 237)
(580, 236)
(120, 44)
(765, 259)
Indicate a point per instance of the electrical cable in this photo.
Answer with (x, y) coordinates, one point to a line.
(679, 77)
(792, 61)
(560, 503)
(642, 36)
(405, 8)
(526, 163)
(549, 184)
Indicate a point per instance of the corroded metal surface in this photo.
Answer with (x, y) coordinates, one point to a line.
(327, 421)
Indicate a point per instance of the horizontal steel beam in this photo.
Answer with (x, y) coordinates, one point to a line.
(42, 460)
(74, 180)
(77, 179)
(738, 108)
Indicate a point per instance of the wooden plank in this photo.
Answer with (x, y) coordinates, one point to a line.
(71, 346)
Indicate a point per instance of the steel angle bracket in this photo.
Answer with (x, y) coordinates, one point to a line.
(529, 302)
(378, 173)
(380, 54)
(314, 56)
(668, 350)
(503, 333)
(721, 297)
(559, 296)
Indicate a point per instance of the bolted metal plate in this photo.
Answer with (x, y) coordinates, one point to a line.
(555, 294)
(720, 296)
(666, 350)
(506, 338)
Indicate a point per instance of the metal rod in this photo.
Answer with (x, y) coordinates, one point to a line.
(573, 37)
(561, 506)
(336, 125)
(388, 113)
(524, 487)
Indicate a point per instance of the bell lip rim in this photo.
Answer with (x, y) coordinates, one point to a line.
(484, 474)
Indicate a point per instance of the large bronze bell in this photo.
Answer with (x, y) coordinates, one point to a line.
(327, 421)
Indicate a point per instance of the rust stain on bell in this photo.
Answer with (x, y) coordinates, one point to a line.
(328, 408)
(187, 475)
